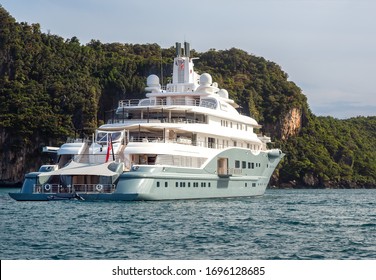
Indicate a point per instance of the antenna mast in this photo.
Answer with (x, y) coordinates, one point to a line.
(161, 68)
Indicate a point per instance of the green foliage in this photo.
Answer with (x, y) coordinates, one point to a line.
(334, 150)
(51, 88)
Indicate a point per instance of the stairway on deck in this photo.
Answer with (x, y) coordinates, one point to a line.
(84, 157)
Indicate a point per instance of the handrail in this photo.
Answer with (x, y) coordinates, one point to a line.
(180, 101)
(74, 188)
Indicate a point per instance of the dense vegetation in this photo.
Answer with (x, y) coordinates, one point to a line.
(332, 153)
(52, 88)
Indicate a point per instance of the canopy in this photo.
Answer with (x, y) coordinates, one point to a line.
(75, 168)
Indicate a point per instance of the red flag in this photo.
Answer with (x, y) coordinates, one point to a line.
(181, 64)
(109, 147)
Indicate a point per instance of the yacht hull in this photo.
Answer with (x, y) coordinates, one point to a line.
(158, 182)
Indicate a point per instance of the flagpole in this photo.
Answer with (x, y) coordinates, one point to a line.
(112, 148)
(108, 148)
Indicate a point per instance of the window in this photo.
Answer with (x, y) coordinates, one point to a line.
(177, 184)
(211, 142)
(253, 184)
(166, 184)
(237, 164)
(244, 165)
(158, 185)
(249, 165)
(253, 165)
(209, 103)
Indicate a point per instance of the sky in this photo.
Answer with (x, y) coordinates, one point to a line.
(327, 47)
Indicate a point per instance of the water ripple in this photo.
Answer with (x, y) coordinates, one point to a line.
(283, 224)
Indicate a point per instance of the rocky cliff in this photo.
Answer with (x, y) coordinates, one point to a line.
(16, 159)
(291, 124)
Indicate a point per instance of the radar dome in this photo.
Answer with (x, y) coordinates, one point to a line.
(152, 81)
(205, 79)
(223, 93)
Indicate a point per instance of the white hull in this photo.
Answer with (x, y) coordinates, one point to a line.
(168, 182)
(192, 186)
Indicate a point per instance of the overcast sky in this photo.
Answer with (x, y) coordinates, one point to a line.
(327, 47)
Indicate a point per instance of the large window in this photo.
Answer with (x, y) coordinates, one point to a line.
(209, 103)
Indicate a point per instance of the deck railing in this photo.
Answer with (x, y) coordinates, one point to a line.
(162, 102)
(75, 188)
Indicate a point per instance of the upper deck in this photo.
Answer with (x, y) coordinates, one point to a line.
(190, 98)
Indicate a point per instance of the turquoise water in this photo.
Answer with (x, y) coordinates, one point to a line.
(283, 224)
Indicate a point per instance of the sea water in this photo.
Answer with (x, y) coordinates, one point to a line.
(282, 224)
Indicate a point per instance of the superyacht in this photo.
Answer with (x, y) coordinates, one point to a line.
(185, 140)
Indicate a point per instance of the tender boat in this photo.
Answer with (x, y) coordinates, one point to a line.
(183, 141)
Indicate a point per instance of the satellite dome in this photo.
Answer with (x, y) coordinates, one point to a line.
(223, 93)
(152, 81)
(205, 79)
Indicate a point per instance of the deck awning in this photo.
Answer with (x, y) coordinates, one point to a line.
(75, 168)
